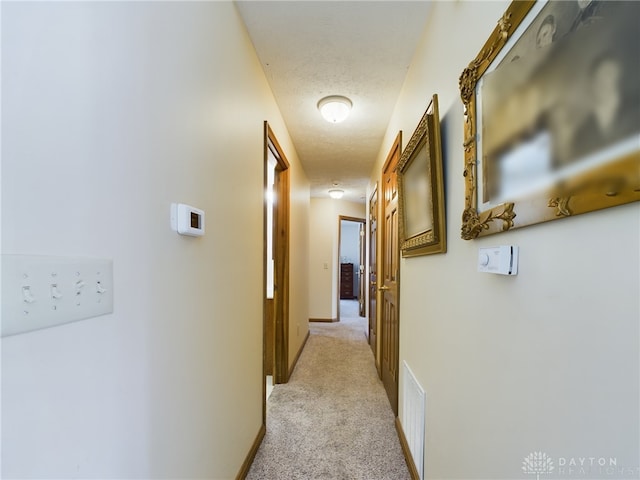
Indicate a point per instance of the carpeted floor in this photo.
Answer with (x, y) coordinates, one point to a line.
(332, 420)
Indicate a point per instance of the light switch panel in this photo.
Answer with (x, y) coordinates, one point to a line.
(40, 291)
(502, 260)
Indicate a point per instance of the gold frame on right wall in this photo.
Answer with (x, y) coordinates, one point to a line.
(522, 89)
(421, 205)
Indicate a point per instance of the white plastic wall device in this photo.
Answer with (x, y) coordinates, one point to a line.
(502, 260)
(187, 220)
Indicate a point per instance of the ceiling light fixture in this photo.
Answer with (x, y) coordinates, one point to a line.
(335, 108)
(336, 193)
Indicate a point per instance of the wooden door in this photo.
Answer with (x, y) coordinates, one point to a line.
(373, 272)
(389, 320)
(281, 274)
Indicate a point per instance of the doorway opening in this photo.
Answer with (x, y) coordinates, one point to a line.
(351, 273)
(276, 266)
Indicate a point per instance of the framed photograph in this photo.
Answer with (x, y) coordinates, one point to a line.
(421, 189)
(552, 114)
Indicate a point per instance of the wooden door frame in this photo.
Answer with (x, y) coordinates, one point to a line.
(381, 274)
(349, 219)
(281, 267)
(374, 194)
(363, 283)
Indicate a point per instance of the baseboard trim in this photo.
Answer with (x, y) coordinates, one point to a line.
(407, 453)
(295, 361)
(246, 465)
(323, 320)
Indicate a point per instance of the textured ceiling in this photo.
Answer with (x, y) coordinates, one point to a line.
(361, 50)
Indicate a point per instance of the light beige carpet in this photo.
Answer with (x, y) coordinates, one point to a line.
(332, 420)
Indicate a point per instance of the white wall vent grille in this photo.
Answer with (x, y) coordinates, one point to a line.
(413, 417)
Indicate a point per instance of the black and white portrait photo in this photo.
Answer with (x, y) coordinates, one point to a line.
(565, 96)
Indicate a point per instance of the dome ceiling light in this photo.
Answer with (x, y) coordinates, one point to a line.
(336, 193)
(335, 108)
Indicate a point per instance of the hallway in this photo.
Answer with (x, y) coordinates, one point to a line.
(114, 113)
(333, 419)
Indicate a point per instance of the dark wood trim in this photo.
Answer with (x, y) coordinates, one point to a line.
(265, 316)
(323, 320)
(397, 145)
(352, 219)
(281, 245)
(276, 148)
(372, 277)
(295, 360)
(281, 294)
(413, 471)
(248, 461)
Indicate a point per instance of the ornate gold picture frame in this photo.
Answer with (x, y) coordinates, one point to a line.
(421, 189)
(552, 115)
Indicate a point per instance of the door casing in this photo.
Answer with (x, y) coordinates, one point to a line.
(362, 274)
(276, 310)
(372, 284)
(350, 219)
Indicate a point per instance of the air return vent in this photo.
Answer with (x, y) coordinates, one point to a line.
(413, 417)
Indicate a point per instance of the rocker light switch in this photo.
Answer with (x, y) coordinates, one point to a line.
(502, 260)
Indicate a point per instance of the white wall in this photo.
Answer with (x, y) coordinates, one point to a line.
(324, 250)
(544, 361)
(298, 256)
(111, 111)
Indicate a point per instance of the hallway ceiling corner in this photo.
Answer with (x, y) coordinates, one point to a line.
(359, 49)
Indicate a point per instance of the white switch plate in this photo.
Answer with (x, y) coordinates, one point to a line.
(40, 291)
(502, 260)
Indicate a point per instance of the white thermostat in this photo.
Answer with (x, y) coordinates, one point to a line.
(187, 220)
(502, 260)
